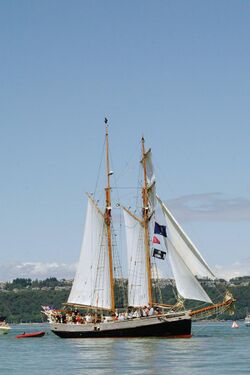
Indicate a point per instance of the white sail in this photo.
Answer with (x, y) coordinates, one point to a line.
(137, 273)
(187, 285)
(186, 260)
(150, 180)
(185, 247)
(91, 285)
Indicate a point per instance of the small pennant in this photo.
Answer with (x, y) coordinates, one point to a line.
(155, 240)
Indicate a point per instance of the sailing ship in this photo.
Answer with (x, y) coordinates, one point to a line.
(93, 287)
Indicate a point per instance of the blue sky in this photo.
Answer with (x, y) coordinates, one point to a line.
(175, 71)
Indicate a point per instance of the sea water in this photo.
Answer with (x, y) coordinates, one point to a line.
(215, 348)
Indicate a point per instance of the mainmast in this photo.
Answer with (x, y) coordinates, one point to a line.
(108, 221)
(145, 214)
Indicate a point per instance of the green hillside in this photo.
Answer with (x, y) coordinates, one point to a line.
(21, 299)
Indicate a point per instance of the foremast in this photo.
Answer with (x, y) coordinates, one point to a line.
(107, 218)
(146, 218)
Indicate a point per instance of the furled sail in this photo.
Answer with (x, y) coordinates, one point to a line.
(150, 181)
(137, 274)
(186, 261)
(91, 285)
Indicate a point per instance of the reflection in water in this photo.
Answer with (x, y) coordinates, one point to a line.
(215, 348)
(127, 356)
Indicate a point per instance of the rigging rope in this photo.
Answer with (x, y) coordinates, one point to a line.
(99, 168)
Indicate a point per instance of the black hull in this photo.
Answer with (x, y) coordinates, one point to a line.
(172, 329)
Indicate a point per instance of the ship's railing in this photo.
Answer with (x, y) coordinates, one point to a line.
(216, 309)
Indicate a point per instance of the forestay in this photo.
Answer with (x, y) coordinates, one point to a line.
(91, 285)
(137, 273)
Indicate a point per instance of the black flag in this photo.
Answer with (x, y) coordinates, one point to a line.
(159, 254)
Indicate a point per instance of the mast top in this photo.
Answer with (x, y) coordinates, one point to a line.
(106, 123)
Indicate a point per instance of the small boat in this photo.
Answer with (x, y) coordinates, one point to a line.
(247, 320)
(235, 325)
(4, 327)
(30, 334)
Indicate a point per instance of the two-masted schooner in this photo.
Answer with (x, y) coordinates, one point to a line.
(93, 288)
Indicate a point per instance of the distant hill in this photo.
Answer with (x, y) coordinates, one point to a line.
(21, 299)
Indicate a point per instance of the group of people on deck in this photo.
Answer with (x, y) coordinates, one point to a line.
(75, 317)
(136, 313)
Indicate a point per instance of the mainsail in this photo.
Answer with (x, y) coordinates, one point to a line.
(186, 261)
(91, 286)
(137, 271)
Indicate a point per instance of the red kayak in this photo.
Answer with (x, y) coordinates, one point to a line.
(31, 334)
